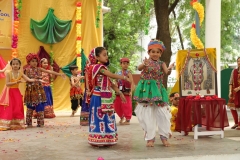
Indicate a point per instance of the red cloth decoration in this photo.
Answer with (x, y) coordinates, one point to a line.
(42, 53)
(210, 113)
(3, 64)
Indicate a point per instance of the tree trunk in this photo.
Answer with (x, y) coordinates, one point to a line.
(163, 32)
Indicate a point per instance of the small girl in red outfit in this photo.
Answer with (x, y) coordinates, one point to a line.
(124, 110)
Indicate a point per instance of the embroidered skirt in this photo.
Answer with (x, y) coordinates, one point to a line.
(12, 115)
(149, 91)
(102, 125)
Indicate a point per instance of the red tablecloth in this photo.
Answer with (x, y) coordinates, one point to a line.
(210, 113)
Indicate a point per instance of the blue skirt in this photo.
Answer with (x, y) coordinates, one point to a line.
(84, 115)
(39, 108)
(84, 105)
(48, 92)
(102, 125)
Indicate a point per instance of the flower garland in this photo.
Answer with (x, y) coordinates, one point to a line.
(193, 35)
(17, 9)
(194, 38)
(79, 33)
(99, 7)
(147, 19)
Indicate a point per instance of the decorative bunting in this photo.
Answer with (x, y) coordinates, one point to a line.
(79, 34)
(17, 8)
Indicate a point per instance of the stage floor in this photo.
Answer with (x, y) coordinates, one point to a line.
(63, 138)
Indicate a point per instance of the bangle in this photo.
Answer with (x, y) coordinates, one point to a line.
(119, 92)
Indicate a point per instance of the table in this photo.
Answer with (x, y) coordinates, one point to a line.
(210, 113)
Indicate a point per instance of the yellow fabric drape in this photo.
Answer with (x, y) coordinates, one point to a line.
(181, 59)
(64, 51)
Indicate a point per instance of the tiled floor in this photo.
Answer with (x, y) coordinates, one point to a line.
(62, 138)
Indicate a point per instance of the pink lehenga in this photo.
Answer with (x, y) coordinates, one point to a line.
(11, 106)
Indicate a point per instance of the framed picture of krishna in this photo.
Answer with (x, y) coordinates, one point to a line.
(197, 74)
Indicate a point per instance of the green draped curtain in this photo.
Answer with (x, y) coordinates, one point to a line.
(66, 70)
(50, 30)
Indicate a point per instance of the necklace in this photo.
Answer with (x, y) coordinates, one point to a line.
(14, 77)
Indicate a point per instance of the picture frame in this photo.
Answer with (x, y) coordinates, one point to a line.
(198, 78)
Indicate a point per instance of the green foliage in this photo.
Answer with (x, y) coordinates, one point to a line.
(121, 30)
(230, 31)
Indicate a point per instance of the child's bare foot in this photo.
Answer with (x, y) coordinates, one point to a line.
(73, 112)
(126, 123)
(150, 143)
(165, 141)
(121, 121)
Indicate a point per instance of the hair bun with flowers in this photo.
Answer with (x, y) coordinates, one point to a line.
(31, 56)
(154, 43)
(92, 57)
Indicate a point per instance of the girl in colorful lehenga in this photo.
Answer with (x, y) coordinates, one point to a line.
(84, 116)
(11, 103)
(46, 77)
(102, 125)
(152, 109)
(35, 97)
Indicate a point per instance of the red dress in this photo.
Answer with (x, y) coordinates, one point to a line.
(12, 112)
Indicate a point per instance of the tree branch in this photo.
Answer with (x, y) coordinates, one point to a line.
(172, 6)
(179, 32)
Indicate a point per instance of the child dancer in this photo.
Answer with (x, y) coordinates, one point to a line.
(124, 110)
(152, 109)
(35, 97)
(102, 125)
(84, 117)
(12, 114)
(76, 93)
(46, 77)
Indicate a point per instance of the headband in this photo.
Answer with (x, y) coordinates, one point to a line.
(156, 44)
